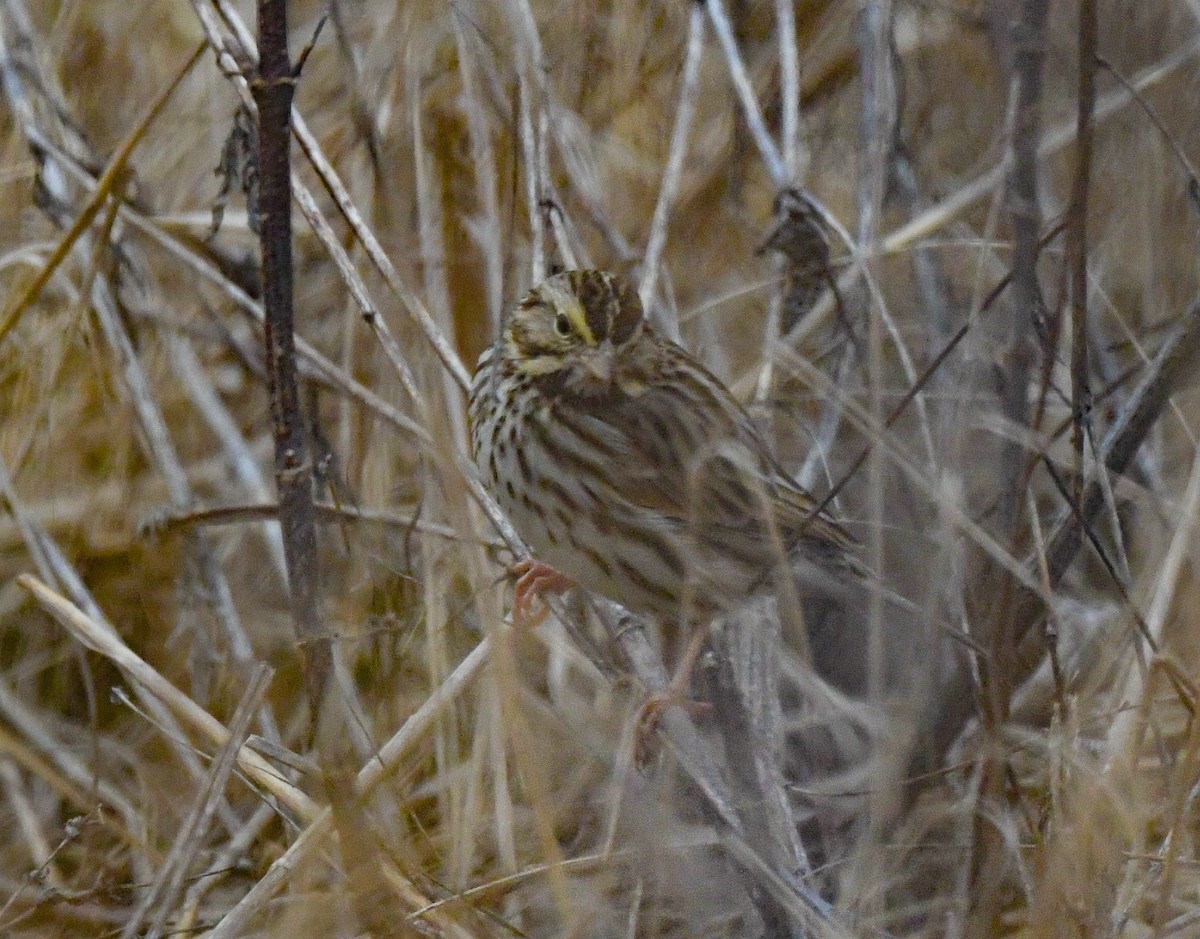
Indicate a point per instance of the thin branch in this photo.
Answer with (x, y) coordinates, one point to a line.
(108, 185)
(1014, 335)
(165, 889)
(273, 92)
(955, 204)
(1077, 240)
(1162, 378)
(244, 49)
(240, 514)
(486, 231)
(876, 123)
(789, 80)
(745, 92)
(103, 639)
(1157, 121)
(672, 173)
(529, 154)
(1050, 631)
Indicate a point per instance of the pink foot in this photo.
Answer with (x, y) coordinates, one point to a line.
(674, 694)
(645, 745)
(535, 579)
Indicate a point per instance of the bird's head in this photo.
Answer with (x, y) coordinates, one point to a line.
(574, 329)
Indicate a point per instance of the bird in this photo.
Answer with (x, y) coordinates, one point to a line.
(632, 471)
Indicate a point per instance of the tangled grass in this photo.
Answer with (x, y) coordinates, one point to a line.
(1010, 346)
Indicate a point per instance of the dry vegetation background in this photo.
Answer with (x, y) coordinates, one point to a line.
(482, 142)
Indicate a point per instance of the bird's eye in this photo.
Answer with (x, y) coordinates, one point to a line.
(562, 325)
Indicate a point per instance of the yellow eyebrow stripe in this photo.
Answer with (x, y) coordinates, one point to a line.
(564, 301)
(578, 318)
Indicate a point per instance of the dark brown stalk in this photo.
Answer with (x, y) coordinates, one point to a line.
(1168, 138)
(1163, 377)
(931, 370)
(1017, 344)
(1014, 367)
(1077, 242)
(1077, 261)
(273, 91)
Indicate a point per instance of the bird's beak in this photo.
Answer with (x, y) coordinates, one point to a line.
(599, 364)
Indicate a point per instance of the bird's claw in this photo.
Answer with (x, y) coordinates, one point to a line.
(651, 713)
(534, 580)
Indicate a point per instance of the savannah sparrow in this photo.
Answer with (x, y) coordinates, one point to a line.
(630, 469)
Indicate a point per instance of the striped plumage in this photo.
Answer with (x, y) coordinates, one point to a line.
(628, 466)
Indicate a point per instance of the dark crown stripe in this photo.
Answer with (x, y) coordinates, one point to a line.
(610, 306)
(627, 312)
(596, 296)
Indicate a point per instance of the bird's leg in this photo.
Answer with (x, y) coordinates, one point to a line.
(675, 693)
(535, 579)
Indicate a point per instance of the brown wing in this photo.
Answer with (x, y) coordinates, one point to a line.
(690, 456)
(797, 516)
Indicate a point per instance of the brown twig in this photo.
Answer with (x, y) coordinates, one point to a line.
(926, 376)
(1015, 363)
(209, 584)
(1162, 378)
(109, 184)
(259, 511)
(1077, 240)
(1117, 448)
(273, 90)
(164, 892)
(1134, 92)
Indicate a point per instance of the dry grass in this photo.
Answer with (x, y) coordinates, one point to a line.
(495, 792)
